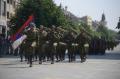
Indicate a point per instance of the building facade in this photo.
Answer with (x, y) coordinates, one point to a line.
(7, 10)
(95, 25)
(87, 20)
(70, 15)
(103, 21)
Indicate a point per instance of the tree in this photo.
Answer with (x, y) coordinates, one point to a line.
(118, 26)
(45, 12)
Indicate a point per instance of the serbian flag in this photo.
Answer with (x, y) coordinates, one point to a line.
(18, 38)
(17, 34)
(18, 42)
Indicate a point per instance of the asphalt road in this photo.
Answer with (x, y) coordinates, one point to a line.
(96, 67)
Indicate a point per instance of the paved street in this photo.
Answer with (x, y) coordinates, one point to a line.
(96, 67)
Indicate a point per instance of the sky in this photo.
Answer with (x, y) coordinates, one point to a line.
(94, 8)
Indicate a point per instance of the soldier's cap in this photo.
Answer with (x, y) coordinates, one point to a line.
(53, 26)
(41, 26)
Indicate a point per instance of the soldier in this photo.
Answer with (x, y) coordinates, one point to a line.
(96, 45)
(21, 53)
(102, 46)
(91, 47)
(41, 39)
(61, 47)
(51, 37)
(1, 45)
(82, 39)
(69, 39)
(29, 47)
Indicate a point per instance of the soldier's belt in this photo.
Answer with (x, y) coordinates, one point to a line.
(74, 44)
(86, 45)
(55, 44)
(61, 43)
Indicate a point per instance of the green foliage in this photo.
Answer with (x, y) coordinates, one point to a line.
(45, 12)
(106, 33)
(103, 31)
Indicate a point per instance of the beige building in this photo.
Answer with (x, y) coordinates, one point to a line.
(7, 9)
(87, 20)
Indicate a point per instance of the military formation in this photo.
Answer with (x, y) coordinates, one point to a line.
(54, 44)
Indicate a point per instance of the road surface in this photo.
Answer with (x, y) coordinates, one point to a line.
(96, 67)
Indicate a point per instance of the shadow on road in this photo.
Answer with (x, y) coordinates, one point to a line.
(108, 56)
(7, 64)
(9, 56)
(20, 67)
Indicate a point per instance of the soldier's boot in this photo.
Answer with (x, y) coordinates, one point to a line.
(35, 58)
(40, 59)
(44, 59)
(82, 60)
(25, 58)
(69, 58)
(48, 59)
(52, 60)
(30, 65)
(30, 61)
(57, 58)
(21, 59)
(40, 62)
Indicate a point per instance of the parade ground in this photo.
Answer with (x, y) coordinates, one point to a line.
(96, 67)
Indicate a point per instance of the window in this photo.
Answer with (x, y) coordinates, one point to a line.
(11, 1)
(8, 15)
(0, 29)
(8, 1)
(0, 7)
(14, 4)
(3, 31)
(4, 9)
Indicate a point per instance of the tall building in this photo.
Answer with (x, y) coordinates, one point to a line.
(103, 21)
(7, 10)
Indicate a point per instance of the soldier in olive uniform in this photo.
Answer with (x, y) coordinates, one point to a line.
(82, 40)
(102, 46)
(69, 39)
(41, 39)
(28, 45)
(22, 51)
(51, 37)
(61, 46)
